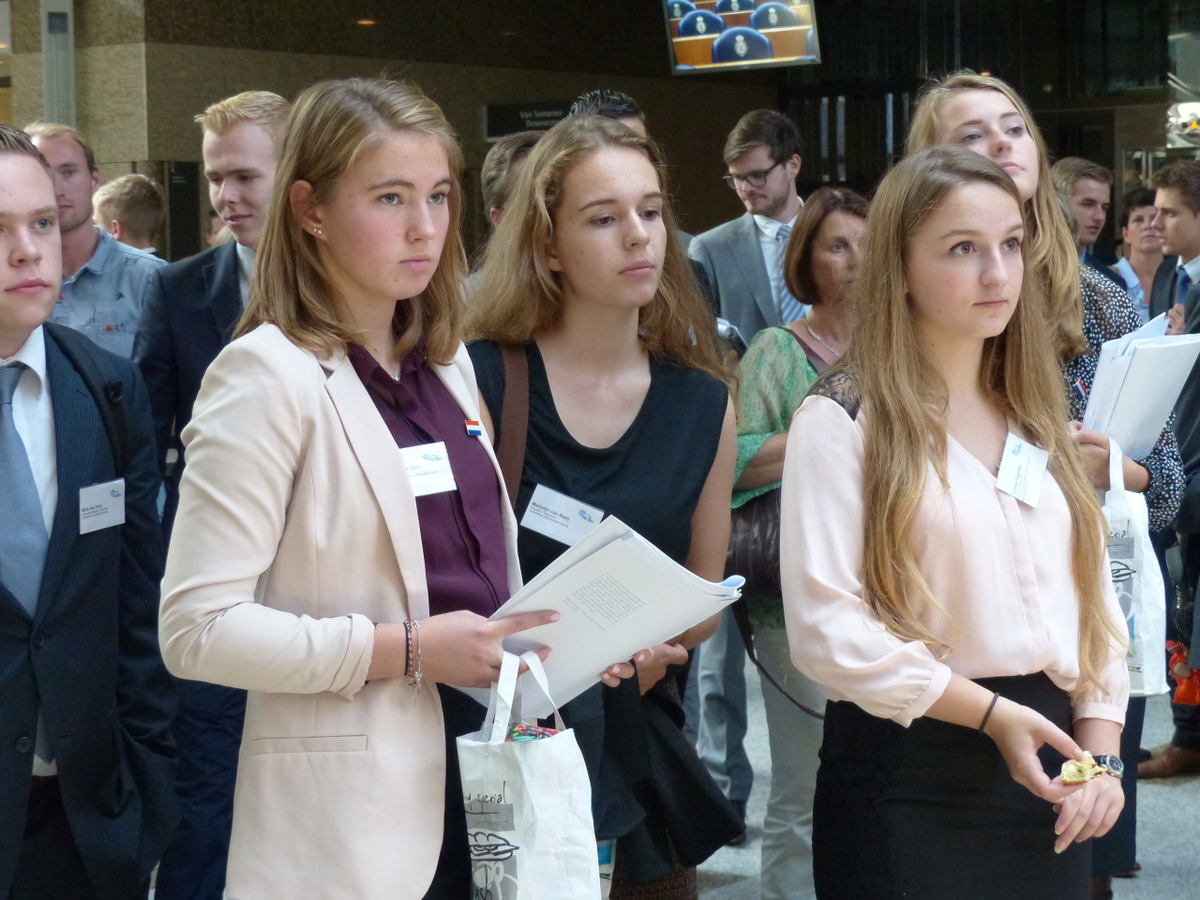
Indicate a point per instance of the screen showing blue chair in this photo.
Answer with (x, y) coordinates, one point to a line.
(728, 6)
(680, 8)
(700, 22)
(741, 45)
(774, 15)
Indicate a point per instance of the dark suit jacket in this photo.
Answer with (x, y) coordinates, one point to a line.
(737, 276)
(1162, 294)
(89, 656)
(189, 315)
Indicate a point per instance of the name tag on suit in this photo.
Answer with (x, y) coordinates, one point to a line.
(102, 506)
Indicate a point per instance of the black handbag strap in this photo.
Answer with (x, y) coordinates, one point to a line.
(742, 616)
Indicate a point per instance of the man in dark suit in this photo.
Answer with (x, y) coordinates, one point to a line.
(1177, 189)
(86, 799)
(1177, 286)
(190, 314)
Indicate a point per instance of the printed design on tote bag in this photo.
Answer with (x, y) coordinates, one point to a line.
(493, 856)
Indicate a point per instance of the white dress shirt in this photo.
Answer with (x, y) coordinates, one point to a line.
(245, 258)
(773, 251)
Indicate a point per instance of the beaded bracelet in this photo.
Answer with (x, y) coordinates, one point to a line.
(412, 630)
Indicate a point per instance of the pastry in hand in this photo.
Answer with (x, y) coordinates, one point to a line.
(1077, 771)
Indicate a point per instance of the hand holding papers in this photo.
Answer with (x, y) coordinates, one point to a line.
(1138, 380)
(617, 594)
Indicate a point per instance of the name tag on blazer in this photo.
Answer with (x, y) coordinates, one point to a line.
(101, 506)
(428, 468)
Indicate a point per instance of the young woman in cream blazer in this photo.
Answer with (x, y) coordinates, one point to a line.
(307, 566)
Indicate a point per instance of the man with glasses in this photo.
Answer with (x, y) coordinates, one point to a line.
(743, 263)
(743, 259)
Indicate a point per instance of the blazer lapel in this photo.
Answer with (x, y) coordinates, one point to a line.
(467, 398)
(749, 258)
(223, 285)
(78, 437)
(380, 459)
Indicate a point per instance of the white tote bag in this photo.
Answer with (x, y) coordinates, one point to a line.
(529, 804)
(1137, 581)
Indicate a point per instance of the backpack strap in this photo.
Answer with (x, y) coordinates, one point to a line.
(514, 418)
(104, 384)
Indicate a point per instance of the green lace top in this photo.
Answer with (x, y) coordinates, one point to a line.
(773, 378)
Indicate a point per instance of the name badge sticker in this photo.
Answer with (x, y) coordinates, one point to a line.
(428, 467)
(560, 517)
(101, 506)
(1022, 470)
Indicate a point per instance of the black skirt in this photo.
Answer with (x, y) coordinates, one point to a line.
(930, 811)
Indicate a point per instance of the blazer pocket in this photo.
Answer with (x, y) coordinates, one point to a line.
(333, 743)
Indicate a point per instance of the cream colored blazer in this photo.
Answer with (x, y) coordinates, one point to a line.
(297, 529)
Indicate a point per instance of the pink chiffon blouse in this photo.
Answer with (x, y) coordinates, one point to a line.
(1000, 571)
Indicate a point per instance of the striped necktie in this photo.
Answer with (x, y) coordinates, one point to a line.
(790, 309)
(23, 537)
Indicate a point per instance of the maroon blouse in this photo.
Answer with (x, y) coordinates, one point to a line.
(462, 531)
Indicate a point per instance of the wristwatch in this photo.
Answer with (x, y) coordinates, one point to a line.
(1111, 765)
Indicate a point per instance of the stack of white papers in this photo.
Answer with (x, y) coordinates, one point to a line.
(1138, 380)
(617, 594)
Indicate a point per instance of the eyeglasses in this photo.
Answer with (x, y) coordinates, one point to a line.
(754, 179)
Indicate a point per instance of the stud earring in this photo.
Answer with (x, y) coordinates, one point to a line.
(318, 232)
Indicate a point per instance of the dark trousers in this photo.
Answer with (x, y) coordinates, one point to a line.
(49, 866)
(208, 733)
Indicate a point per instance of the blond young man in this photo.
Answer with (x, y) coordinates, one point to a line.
(190, 314)
(132, 209)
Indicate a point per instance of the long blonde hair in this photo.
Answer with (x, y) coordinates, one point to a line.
(905, 402)
(518, 296)
(330, 125)
(1052, 257)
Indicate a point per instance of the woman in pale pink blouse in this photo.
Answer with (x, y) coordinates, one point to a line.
(951, 597)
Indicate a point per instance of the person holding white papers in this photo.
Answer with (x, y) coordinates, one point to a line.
(342, 534)
(946, 577)
(1084, 308)
(627, 416)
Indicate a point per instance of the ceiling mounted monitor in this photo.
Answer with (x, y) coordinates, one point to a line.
(719, 35)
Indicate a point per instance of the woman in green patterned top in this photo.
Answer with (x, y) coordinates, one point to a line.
(773, 378)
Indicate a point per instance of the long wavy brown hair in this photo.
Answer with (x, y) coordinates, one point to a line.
(904, 402)
(518, 296)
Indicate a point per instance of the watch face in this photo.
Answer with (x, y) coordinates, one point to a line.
(1112, 763)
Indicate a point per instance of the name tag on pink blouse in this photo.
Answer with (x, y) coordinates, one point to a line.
(1022, 470)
